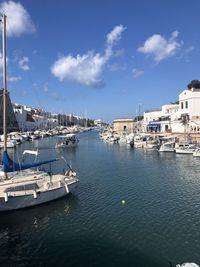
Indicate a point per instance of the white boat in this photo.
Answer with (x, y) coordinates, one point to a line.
(187, 264)
(68, 140)
(196, 153)
(140, 141)
(185, 147)
(20, 185)
(167, 147)
(10, 144)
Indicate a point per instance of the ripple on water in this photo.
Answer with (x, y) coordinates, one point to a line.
(159, 221)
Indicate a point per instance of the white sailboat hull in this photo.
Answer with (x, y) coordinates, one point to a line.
(27, 189)
(25, 201)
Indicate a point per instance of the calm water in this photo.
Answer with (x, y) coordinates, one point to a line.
(159, 222)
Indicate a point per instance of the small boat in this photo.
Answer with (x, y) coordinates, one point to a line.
(185, 147)
(140, 141)
(187, 264)
(196, 153)
(24, 185)
(68, 140)
(167, 147)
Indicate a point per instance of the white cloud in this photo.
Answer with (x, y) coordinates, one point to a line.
(185, 52)
(115, 34)
(18, 19)
(87, 68)
(160, 47)
(137, 73)
(23, 63)
(14, 79)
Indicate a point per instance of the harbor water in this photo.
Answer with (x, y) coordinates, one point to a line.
(132, 207)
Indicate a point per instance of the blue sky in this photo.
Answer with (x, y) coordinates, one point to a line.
(101, 58)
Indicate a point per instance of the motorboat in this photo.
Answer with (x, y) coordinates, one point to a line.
(68, 140)
(185, 147)
(140, 141)
(196, 153)
(167, 147)
(25, 185)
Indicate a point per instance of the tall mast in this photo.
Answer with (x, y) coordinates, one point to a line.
(4, 85)
(4, 81)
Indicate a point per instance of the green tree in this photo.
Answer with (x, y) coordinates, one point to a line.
(194, 84)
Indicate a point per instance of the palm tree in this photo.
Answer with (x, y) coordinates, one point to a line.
(184, 120)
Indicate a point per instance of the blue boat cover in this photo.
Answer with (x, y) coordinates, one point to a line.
(11, 166)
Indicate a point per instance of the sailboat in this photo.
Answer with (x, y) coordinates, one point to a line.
(21, 185)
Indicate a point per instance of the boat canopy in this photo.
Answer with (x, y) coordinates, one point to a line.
(32, 152)
(153, 125)
(11, 166)
(66, 136)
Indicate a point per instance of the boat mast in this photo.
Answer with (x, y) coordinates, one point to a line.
(4, 85)
(4, 81)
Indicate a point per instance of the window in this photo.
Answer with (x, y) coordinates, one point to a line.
(186, 104)
(181, 105)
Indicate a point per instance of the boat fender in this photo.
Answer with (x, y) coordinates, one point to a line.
(67, 189)
(47, 185)
(34, 194)
(6, 197)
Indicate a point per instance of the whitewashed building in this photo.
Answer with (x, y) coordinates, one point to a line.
(24, 118)
(176, 118)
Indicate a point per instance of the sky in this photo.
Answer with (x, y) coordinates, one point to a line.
(104, 59)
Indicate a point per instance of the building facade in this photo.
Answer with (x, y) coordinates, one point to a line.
(180, 117)
(123, 125)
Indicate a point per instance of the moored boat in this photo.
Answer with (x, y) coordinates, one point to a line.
(21, 185)
(68, 140)
(185, 147)
(167, 147)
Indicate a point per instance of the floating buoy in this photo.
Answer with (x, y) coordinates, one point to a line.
(123, 201)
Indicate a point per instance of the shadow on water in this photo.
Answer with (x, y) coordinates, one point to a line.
(72, 250)
(50, 235)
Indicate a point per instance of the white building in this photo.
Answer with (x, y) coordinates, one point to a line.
(24, 118)
(176, 118)
(98, 123)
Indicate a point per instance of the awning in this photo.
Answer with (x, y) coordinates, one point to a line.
(153, 125)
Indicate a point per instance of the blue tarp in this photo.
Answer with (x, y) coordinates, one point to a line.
(153, 125)
(10, 166)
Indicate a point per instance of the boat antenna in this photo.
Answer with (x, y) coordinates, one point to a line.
(3, 21)
(67, 163)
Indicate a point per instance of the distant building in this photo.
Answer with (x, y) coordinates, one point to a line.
(123, 125)
(98, 123)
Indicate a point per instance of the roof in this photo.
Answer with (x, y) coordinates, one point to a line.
(123, 120)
